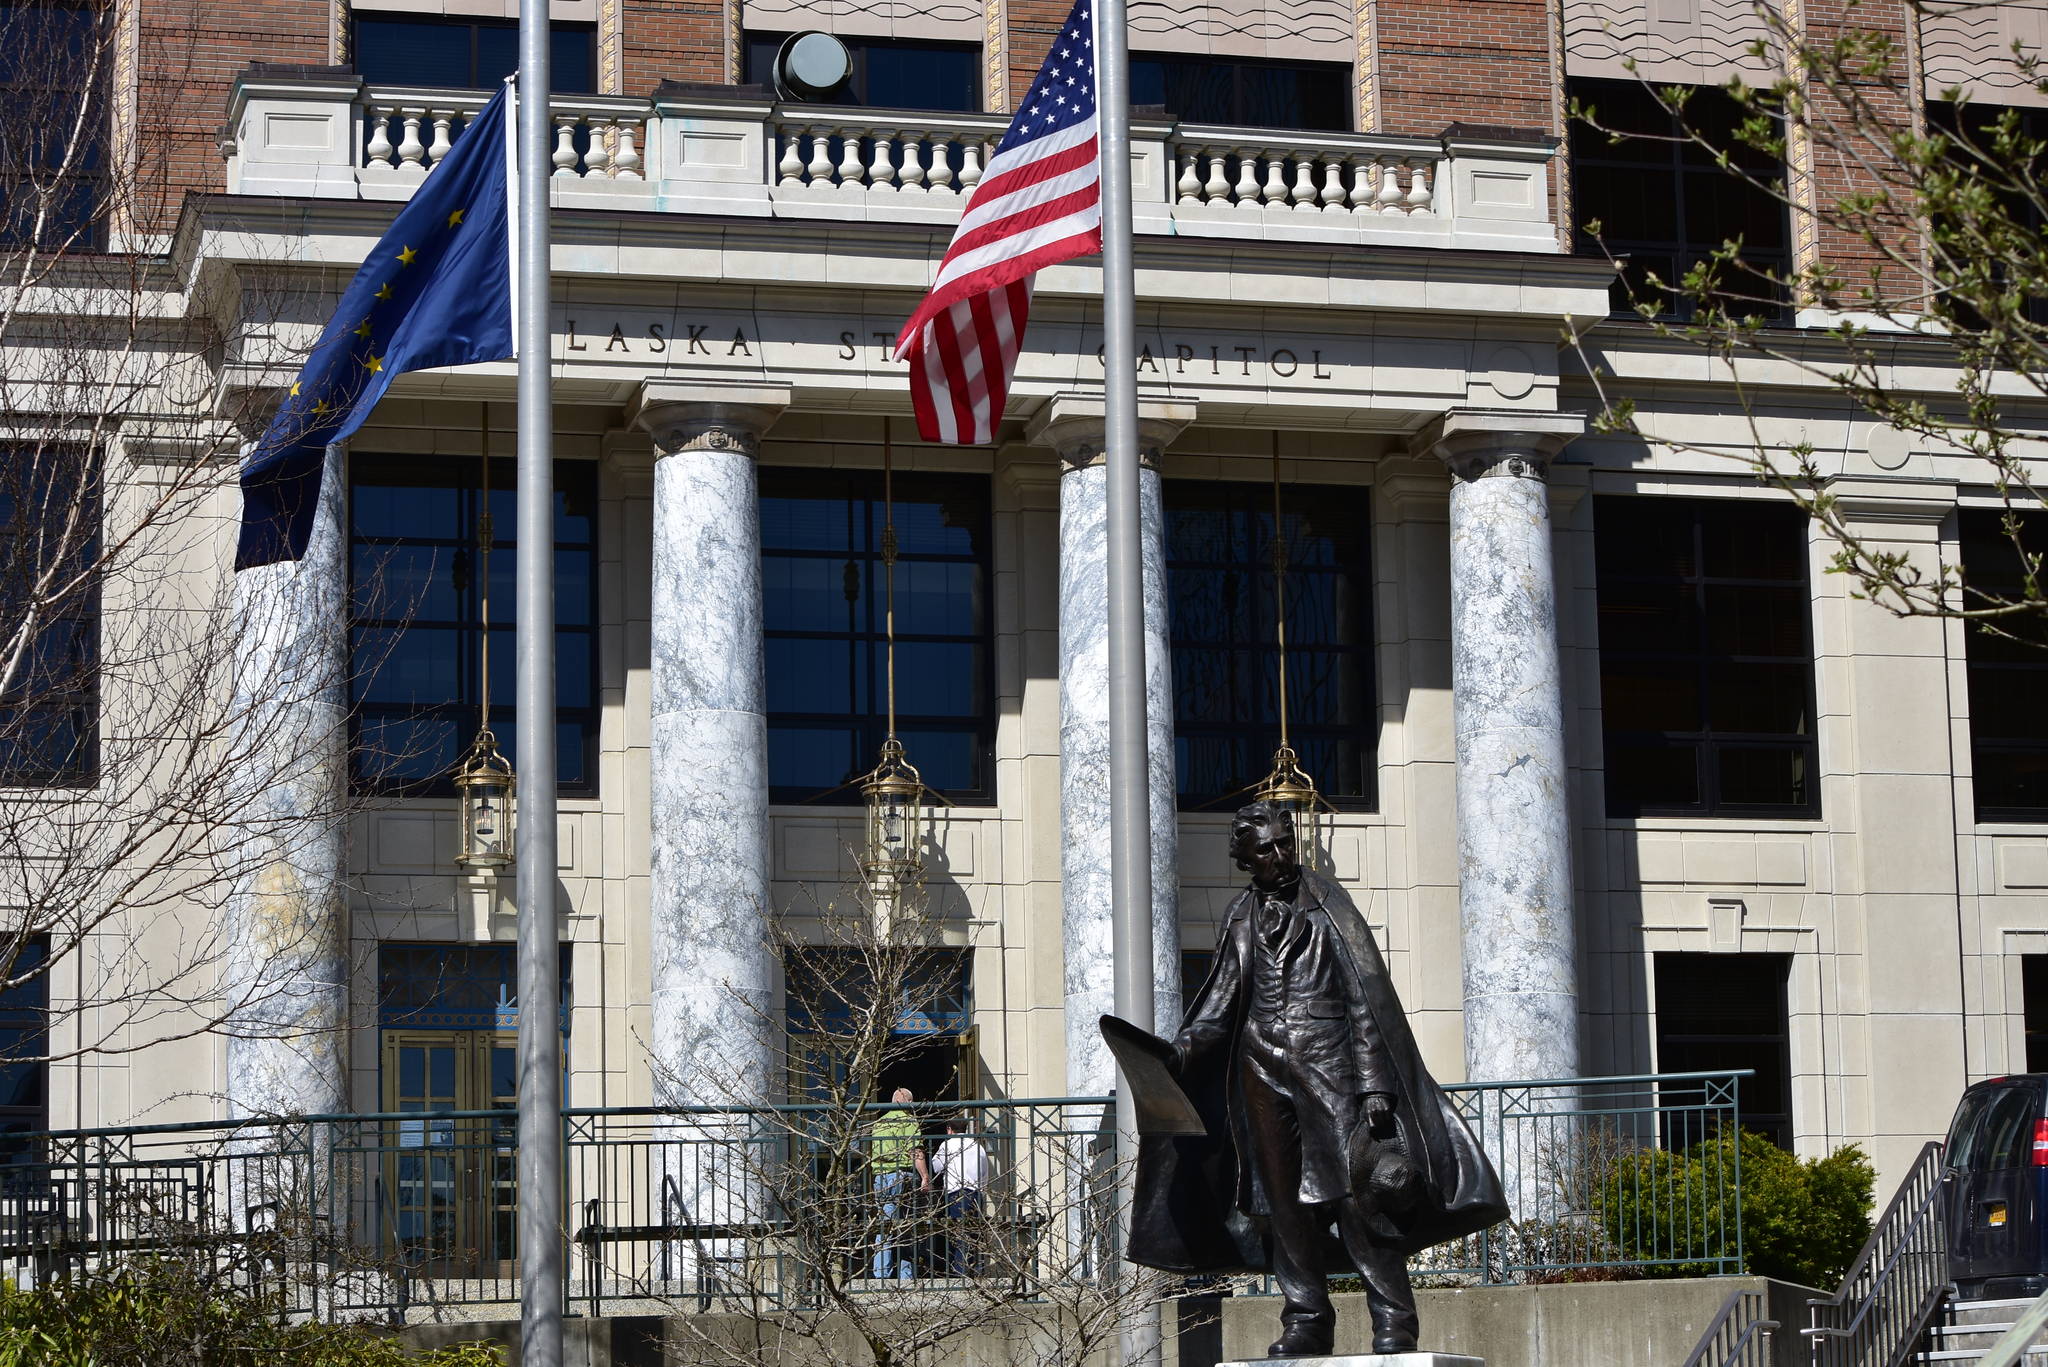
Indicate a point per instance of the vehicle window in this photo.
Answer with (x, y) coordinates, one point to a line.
(2009, 1130)
(1963, 1132)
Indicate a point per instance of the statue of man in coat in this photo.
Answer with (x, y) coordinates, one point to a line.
(1315, 1113)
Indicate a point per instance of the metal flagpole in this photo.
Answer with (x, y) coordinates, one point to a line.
(540, 1037)
(1130, 812)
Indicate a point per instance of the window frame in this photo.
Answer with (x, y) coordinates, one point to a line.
(872, 723)
(1257, 504)
(1590, 148)
(32, 1018)
(82, 772)
(475, 24)
(504, 710)
(1972, 526)
(1239, 99)
(1779, 965)
(89, 233)
(758, 45)
(1707, 743)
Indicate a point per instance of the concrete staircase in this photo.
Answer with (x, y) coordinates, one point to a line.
(1973, 1326)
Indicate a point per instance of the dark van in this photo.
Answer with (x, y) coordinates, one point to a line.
(1995, 1179)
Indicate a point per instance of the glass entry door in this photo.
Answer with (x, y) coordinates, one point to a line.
(451, 1184)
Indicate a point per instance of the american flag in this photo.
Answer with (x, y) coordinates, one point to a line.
(1039, 202)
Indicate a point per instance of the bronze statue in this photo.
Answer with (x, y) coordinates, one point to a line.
(1301, 1105)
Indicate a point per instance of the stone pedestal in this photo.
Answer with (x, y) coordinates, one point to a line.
(712, 977)
(284, 966)
(1365, 1360)
(1514, 812)
(1074, 428)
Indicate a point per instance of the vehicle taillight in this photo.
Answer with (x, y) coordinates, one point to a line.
(2041, 1142)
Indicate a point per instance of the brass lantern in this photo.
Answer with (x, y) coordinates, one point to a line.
(484, 787)
(893, 855)
(1290, 788)
(892, 858)
(484, 782)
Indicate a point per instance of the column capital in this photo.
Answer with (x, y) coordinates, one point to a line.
(1072, 425)
(1481, 443)
(690, 415)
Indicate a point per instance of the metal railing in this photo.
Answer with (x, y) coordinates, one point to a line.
(1739, 1336)
(411, 1215)
(1896, 1284)
(1637, 1173)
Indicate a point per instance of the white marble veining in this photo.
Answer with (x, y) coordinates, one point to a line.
(1514, 839)
(711, 970)
(1084, 772)
(284, 969)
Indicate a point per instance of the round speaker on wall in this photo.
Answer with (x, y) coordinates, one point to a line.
(812, 66)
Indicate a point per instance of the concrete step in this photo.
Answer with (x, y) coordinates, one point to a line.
(1974, 1327)
(1975, 1312)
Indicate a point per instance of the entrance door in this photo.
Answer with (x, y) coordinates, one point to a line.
(450, 1182)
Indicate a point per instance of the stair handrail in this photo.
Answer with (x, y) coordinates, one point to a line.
(1738, 1316)
(2013, 1345)
(1878, 1332)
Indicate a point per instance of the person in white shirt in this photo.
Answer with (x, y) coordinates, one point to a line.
(961, 1169)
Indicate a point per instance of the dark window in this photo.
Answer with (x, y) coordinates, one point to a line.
(2008, 670)
(454, 987)
(1219, 582)
(826, 987)
(823, 594)
(54, 59)
(1246, 93)
(1661, 201)
(1722, 1012)
(24, 1067)
(1993, 146)
(49, 588)
(889, 73)
(2034, 1002)
(466, 54)
(1706, 662)
(416, 624)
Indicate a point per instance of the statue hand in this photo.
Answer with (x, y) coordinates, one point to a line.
(1379, 1108)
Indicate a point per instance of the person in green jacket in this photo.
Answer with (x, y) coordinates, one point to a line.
(896, 1157)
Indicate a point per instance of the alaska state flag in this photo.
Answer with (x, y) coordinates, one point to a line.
(436, 291)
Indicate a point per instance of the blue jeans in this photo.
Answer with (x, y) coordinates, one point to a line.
(891, 1257)
(962, 1206)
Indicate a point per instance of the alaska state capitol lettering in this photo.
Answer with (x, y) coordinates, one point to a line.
(710, 339)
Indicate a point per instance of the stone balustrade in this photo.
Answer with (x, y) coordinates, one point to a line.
(719, 150)
(406, 130)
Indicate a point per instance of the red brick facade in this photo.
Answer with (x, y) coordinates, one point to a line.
(189, 52)
(674, 40)
(1453, 61)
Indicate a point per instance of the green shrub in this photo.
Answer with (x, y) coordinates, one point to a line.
(1802, 1220)
(158, 1314)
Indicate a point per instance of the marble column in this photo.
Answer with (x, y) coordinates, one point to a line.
(713, 975)
(1074, 428)
(284, 960)
(1514, 828)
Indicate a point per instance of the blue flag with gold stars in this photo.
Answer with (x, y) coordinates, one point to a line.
(436, 291)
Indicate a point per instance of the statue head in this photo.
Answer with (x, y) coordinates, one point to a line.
(1262, 844)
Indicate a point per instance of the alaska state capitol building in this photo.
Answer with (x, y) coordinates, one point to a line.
(1783, 830)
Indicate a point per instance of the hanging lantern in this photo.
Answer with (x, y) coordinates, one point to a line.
(894, 854)
(484, 781)
(484, 786)
(1289, 788)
